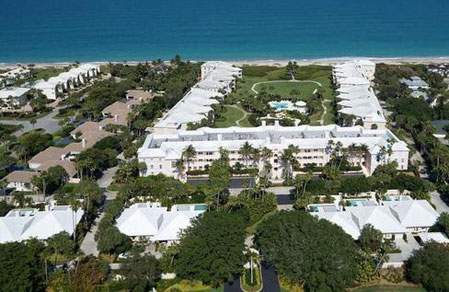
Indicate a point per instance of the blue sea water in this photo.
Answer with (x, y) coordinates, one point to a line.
(100, 30)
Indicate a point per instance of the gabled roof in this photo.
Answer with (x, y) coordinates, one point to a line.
(173, 224)
(23, 224)
(146, 219)
(378, 216)
(342, 219)
(140, 221)
(51, 153)
(413, 213)
(20, 176)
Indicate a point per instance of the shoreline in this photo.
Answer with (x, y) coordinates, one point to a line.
(261, 62)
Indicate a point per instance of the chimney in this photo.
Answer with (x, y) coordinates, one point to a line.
(83, 143)
(115, 118)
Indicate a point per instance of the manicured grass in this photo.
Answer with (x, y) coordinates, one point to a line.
(389, 288)
(298, 90)
(229, 117)
(190, 286)
(245, 280)
(256, 74)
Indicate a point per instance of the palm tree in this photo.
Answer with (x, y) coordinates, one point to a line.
(3, 185)
(188, 154)
(289, 159)
(180, 167)
(246, 152)
(75, 205)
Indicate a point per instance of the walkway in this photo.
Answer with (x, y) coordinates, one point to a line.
(89, 245)
(245, 114)
(440, 205)
(253, 88)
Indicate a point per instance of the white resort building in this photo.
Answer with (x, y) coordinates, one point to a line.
(217, 80)
(23, 224)
(150, 221)
(160, 152)
(67, 81)
(357, 100)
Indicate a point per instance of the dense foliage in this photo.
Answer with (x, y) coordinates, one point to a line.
(429, 266)
(307, 250)
(22, 267)
(211, 250)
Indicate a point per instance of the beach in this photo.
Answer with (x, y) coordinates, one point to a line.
(279, 63)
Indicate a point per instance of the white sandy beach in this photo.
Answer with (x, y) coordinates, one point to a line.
(267, 62)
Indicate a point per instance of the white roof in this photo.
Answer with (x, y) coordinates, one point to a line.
(146, 219)
(13, 92)
(273, 137)
(195, 105)
(354, 89)
(23, 224)
(378, 216)
(342, 219)
(393, 217)
(413, 213)
(434, 236)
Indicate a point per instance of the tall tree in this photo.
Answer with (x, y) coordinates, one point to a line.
(188, 154)
(211, 250)
(429, 266)
(305, 255)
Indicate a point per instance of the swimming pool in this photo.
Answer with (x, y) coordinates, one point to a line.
(281, 105)
(200, 207)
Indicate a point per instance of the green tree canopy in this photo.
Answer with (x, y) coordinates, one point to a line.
(370, 238)
(22, 267)
(430, 267)
(211, 250)
(141, 272)
(307, 250)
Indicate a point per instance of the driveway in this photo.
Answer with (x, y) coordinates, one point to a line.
(439, 204)
(270, 279)
(406, 247)
(106, 179)
(89, 245)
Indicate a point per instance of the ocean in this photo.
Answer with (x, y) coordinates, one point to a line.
(130, 30)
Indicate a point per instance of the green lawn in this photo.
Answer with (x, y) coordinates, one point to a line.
(389, 288)
(192, 286)
(229, 117)
(298, 90)
(256, 74)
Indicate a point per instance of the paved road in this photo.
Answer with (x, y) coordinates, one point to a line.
(89, 245)
(233, 286)
(270, 279)
(48, 123)
(439, 204)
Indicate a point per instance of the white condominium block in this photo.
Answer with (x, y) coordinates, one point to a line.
(160, 152)
(355, 94)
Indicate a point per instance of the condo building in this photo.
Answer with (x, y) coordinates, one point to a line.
(217, 80)
(160, 152)
(368, 143)
(357, 101)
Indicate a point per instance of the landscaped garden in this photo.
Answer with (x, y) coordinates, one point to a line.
(311, 84)
(389, 288)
